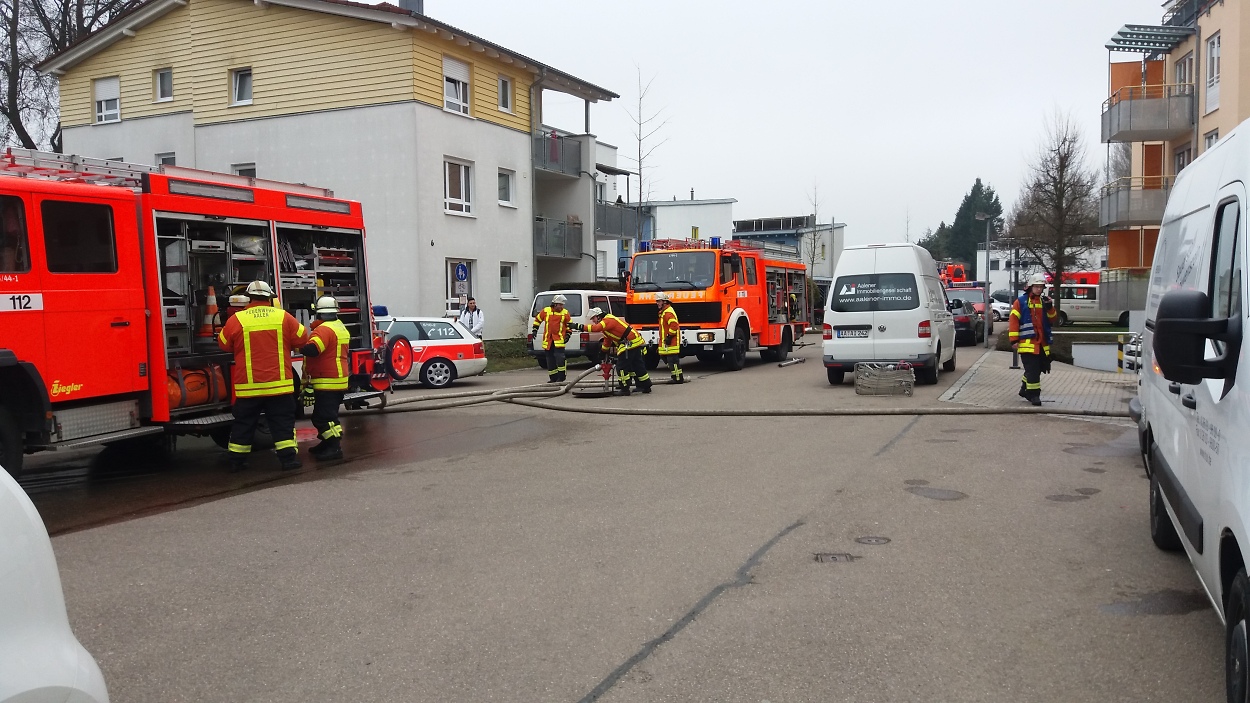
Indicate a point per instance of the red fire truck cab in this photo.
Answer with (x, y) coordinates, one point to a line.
(115, 278)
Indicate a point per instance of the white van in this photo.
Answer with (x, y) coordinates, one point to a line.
(1079, 303)
(1193, 404)
(887, 304)
(580, 302)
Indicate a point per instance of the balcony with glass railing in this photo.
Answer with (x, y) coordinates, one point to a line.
(614, 221)
(557, 154)
(1150, 113)
(1134, 202)
(557, 239)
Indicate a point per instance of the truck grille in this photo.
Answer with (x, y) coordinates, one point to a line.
(687, 313)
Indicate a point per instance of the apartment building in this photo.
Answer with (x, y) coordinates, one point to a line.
(1189, 84)
(437, 132)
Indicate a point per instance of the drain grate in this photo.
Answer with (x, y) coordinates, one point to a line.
(873, 540)
(827, 557)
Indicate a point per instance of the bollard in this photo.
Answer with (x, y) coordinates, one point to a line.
(1119, 353)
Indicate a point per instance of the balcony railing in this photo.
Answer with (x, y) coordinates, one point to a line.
(1150, 113)
(615, 221)
(558, 154)
(1134, 202)
(557, 239)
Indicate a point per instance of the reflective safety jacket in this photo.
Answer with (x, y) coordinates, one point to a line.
(262, 337)
(670, 332)
(328, 370)
(557, 329)
(615, 330)
(1031, 329)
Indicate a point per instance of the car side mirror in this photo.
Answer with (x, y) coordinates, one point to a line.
(1181, 329)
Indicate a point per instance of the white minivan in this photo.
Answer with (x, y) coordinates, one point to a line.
(887, 304)
(579, 303)
(1193, 404)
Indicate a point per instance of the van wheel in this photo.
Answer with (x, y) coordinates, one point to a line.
(1063, 319)
(1236, 646)
(836, 377)
(1162, 531)
(950, 365)
(928, 375)
(1123, 321)
(10, 443)
(736, 357)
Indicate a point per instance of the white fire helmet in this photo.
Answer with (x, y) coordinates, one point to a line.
(259, 289)
(326, 304)
(559, 298)
(593, 313)
(662, 297)
(1037, 279)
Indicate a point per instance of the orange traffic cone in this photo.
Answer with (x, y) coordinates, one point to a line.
(210, 312)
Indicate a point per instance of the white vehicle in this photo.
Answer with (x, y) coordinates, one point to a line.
(887, 304)
(1193, 405)
(1000, 310)
(1079, 303)
(579, 302)
(443, 350)
(40, 659)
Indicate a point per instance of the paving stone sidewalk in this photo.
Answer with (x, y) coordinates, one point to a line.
(991, 383)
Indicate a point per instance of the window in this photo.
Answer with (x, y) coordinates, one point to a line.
(14, 247)
(1078, 293)
(248, 170)
(163, 85)
(1210, 138)
(457, 187)
(166, 159)
(617, 304)
(574, 304)
(505, 94)
(994, 264)
(505, 280)
(241, 86)
(1184, 156)
(822, 252)
(1226, 267)
(874, 291)
(601, 191)
(108, 100)
(750, 262)
(455, 85)
(1185, 69)
(505, 186)
(78, 237)
(1213, 72)
(438, 330)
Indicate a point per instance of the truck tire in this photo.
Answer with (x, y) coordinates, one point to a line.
(736, 357)
(10, 443)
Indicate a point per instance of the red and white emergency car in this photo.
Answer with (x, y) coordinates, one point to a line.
(115, 277)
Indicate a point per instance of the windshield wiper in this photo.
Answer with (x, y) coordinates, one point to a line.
(638, 285)
(688, 283)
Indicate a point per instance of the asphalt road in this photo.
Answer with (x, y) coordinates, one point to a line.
(503, 553)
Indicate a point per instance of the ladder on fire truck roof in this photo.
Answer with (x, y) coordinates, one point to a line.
(772, 250)
(72, 168)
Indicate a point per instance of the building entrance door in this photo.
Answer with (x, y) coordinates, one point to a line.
(459, 285)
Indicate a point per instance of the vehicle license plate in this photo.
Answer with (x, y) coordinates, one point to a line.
(852, 333)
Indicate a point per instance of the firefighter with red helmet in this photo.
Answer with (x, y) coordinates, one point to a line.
(325, 376)
(628, 343)
(555, 334)
(261, 337)
(670, 337)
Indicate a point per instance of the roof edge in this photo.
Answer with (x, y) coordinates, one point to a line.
(118, 28)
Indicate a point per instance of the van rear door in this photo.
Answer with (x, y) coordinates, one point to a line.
(852, 300)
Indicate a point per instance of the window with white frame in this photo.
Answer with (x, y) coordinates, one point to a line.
(505, 94)
(506, 270)
(166, 159)
(457, 187)
(601, 191)
(241, 86)
(248, 170)
(456, 85)
(507, 180)
(1184, 155)
(163, 85)
(1213, 72)
(108, 99)
(1210, 138)
(1185, 69)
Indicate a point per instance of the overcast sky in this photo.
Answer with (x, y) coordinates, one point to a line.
(890, 109)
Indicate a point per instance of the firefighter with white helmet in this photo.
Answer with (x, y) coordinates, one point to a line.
(1032, 315)
(670, 337)
(555, 334)
(261, 336)
(326, 374)
(628, 343)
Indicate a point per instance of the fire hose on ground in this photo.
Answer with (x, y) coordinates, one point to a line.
(535, 395)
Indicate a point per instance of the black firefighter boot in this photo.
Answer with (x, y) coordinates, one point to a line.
(1035, 398)
(329, 450)
(288, 460)
(238, 462)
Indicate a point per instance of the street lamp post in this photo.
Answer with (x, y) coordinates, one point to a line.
(986, 314)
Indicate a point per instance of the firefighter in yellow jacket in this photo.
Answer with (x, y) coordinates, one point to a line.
(629, 345)
(1029, 331)
(670, 338)
(555, 334)
(326, 373)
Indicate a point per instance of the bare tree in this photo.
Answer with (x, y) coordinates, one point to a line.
(1056, 217)
(1119, 161)
(33, 31)
(809, 248)
(646, 126)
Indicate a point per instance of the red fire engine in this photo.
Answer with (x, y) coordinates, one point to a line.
(730, 298)
(114, 280)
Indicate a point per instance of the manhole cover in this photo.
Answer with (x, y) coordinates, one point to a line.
(826, 557)
(873, 540)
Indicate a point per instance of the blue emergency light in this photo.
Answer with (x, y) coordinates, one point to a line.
(715, 242)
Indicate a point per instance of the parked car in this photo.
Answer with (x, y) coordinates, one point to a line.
(887, 304)
(1193, 403)
(999, 310)
(969, 325)
(976, 295)
(443, 350)
(40, 659)
(579, 302)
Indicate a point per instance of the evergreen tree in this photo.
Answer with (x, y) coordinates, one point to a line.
(966, 232)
